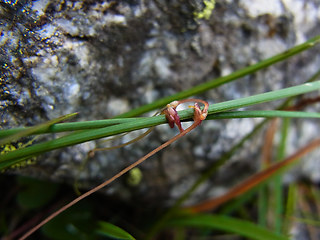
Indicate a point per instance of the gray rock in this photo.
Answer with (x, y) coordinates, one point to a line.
(103, 58)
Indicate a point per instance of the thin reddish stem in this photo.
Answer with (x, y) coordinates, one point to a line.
(197, 121)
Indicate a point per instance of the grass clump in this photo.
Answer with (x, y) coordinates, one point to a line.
(180, 220)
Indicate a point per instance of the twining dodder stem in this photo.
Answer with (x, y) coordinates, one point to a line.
(173, 118)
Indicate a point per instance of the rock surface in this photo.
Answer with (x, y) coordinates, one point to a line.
(102, 58)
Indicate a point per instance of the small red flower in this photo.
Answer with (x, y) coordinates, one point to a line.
(172, 115)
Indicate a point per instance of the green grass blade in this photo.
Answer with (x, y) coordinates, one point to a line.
(224, 106)
(262, 114)
(86, 125)
(64, 127)
(222, 80)
(89, 135)
(314, 77)
(237, 205)
(264, 97)
(290, 208)
(263, 203)
(31, 130)
(232, 225)
(76, 138)
(115, 232)
(278, 193)
(256, 99)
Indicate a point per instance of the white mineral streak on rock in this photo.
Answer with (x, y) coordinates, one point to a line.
(261, 7)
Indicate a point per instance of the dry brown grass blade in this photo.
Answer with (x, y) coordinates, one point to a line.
(253, 181)
(268, 143)
(303, 103)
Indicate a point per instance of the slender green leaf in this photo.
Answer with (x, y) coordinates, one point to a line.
(290, 207)
(232, 225)
(263, 197)
(237, 204)
(278, 193)
(64, 127)
(314, 77)
(222, 80)
(110, 230)
(30, 130)
(263, 114)
(265, 97)
(86, 125)
(88, 135)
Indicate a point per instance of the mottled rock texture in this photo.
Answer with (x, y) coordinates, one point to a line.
(102, 58)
